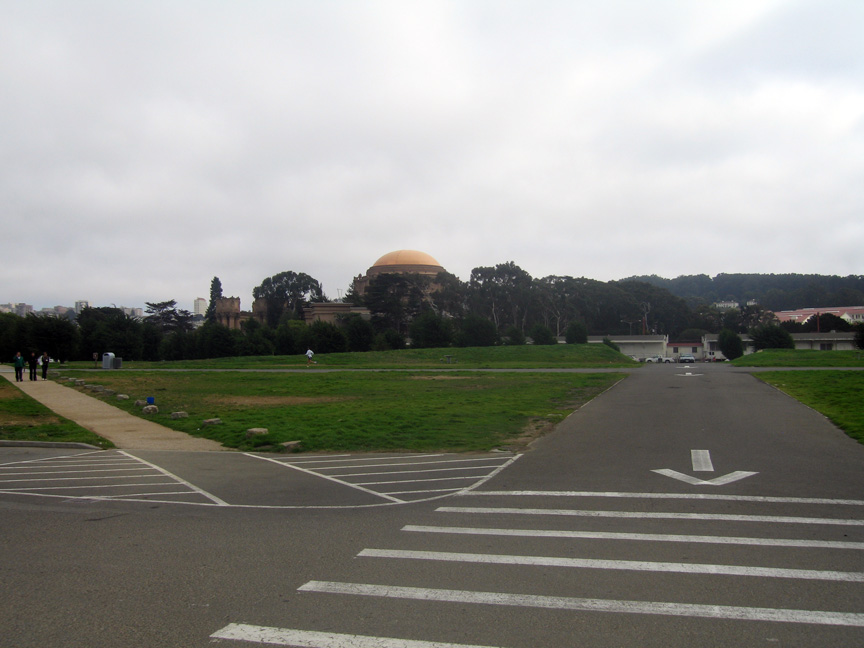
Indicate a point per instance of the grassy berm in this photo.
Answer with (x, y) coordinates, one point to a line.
(24, 419)
(839, 395)
(503, 357)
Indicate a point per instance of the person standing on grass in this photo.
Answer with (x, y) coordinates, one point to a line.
(32, 362)
(309, 354)
(19, 367)
(44, 360)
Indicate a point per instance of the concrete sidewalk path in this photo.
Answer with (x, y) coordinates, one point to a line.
(124, 430)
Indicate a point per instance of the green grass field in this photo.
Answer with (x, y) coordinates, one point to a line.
(503, 357)
(24, 419)
(796, 358)
(359, 411)
(839, 395)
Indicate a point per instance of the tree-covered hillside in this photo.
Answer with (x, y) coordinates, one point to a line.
(775, 292)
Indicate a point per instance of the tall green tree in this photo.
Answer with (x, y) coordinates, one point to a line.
(450, 298)
(476, 331)
(359, 332)
(215, 295)
(12, 336)
(541, 335)
(429, 331)
(107, 329)
(395, 300)
(770, 336)
(501, 293)
(730, 344)
(56, 335)
(167, 317)
(577, 333)
(288, 292)
(327, 338)
(292, 337)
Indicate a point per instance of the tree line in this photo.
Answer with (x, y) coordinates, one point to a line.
(775, 292)
(501, 304)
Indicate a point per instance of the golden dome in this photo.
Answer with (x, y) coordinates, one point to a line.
(406, 257)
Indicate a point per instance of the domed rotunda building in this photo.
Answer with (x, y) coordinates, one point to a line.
(399, 262)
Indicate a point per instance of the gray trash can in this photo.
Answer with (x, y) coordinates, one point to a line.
(107, 360)
(118, 363)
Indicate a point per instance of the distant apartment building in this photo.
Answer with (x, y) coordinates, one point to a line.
(81, 305)
(725, 305)
(852, 314)
(200, 307)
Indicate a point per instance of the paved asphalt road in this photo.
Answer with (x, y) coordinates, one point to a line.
(687, 506)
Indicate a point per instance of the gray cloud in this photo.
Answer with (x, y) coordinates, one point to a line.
(147, 147)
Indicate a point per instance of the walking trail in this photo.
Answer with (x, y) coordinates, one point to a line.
(121, 428)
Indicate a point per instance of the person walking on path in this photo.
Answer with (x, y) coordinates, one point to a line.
(19, 367)
(309, 354)
(44, 360)
(32, 361)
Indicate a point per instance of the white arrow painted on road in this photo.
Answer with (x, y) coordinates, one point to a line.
(717, 481)
(701, 460)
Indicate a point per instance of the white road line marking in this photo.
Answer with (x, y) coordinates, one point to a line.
(81, 487)
(492, 474)
(717, 481)
(413, 463)
(131, 495)
(816, 617)
(415, 492)
(652, 516)
(33, 461)
(314, 639)
(370, 460)
(701, 460)
(416, 481)
(87, 478)
(314, 458)
(200, 491)
(684, 496)
(328, 477)
(68, 465)
(37, 475)
(620, 565)
(409, 472)
(639, 537)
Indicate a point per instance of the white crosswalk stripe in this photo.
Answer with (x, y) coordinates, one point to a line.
(405, 478)
(105, 475)
(751, 560)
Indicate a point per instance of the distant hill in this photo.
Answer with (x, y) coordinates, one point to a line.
(775, 292)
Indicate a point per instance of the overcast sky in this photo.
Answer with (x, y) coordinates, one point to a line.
(148, 146)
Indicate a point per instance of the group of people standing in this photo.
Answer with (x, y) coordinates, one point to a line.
(33, 363)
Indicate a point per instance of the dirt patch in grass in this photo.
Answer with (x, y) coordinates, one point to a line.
(440, 377)
(7, 420)
(278, 401)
